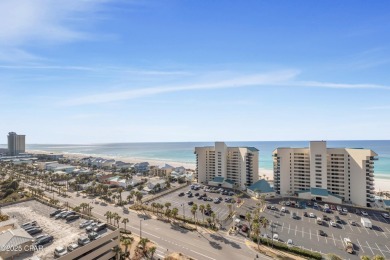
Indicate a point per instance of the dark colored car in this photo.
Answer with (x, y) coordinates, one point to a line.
(196, 194)
(244, 228)
(100, 227)
(55, 212)
(45, 240)
(190, 203)
(321, 233)
(181, 194)
(93, 236)
(305, 214)
(34, 231)
(72, 217)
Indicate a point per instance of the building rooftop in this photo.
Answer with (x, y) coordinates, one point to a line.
(219, 179)
(14, 238)
(261, 186)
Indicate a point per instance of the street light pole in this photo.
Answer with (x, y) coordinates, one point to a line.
(140, 228)
(184, 216)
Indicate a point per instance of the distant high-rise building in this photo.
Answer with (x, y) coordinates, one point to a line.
(16, 143)
(238, 166)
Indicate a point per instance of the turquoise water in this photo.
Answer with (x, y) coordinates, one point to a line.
(184, 152)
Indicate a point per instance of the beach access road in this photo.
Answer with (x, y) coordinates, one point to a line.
(200, 244)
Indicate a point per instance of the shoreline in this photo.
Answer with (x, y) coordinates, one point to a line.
(380, 184)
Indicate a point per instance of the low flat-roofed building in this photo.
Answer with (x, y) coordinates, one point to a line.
(261, 188)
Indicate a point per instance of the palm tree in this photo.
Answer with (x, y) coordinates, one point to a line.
(202, 209)
(193, 210)
(256, 232)
(248, 217)
(378, 257)
(167, 205)
(108, 215)
(213, 218)
(125, 221)
(120, 190)
(129, 197)
(364, 257)
(117, 218)
(175, 212)
(142, 242)
(77, 208)
(127, 242)
(151, 251)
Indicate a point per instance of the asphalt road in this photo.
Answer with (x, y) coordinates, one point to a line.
(201, 244)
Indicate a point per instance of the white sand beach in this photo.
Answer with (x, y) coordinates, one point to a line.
(380, 184)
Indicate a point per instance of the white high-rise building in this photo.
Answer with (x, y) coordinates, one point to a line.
(16, 143)
(232, 165)
(330, 174)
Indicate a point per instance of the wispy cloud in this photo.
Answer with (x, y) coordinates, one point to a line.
(243, 81)
(377, 108)
(336, 85)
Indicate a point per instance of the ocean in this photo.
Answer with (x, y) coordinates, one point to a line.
(184, 151)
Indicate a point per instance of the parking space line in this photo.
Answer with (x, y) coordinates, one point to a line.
(376, 217)
(387, 249)
(384, 233)
(374, 232)
(366, 230)
(302, 232)
(358, 229)
(318, 237)
(370, 248)
(387, 229)
(341, 239)
(310, 233)
(350, 226)
(296, 228)
(326, 240)
(360, 246)
(380, 249)
(288, 228)
(282, 226)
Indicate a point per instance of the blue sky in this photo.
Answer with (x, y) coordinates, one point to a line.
(102, 71)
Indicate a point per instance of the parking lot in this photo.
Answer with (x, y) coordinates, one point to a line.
(64, 233)
(304, 230)
(220, 209)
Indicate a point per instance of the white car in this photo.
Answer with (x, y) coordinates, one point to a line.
(364, 213)
(276, 237)
(283, 209)
(385, 215)
(315, 204)
(345, 210)
(326, 206)
(60, 251)
(290, 242)
(339, 208)
(333, 224)
(312, 215)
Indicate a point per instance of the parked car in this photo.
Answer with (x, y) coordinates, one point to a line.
(315, 205)
(345, 210)
(275, 237)
(55, 212)
(332, 207)
(72, 247)
(93, 236)
(39, 237)
(321, 233)
(91, 227)
(85, 223)
(312, 215)
(357, 211)
(190, 203)
(27, 229)
(59, 215)
(353, 223)
(385, 215)
(333, 224)
(197, 194)
(82, 241)
(364, 213)
(283, 210)
(268, 206)
(72, 217)
(294, 215)
(60, 251)
(305, 214)
(290, 242)
(338, 220)
(325, 217)
(100, 227)
(34, 231)
(45, 240)
(29, 224)
(181, 194)
(339, 208)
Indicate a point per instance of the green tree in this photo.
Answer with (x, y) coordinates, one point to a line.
(364, 257)
(151, 251)
(125, 221)
(202, 209)
(378, 257)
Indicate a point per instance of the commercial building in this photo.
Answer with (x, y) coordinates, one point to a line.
(261, 188)
(16, 144)
(238, 165)
(329, 174)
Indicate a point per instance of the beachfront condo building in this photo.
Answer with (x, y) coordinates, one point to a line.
(16, 144)
(227, 166)
(336, 175)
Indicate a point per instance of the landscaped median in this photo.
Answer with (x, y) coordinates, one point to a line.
(283, 247)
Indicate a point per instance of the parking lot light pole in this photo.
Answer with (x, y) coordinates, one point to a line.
(140, 228)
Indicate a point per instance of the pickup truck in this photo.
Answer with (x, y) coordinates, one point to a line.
(348, 245)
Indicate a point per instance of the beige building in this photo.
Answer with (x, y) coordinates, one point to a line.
(238, 165)
(330, 174)
(16, 143)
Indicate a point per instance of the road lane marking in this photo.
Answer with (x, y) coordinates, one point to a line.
(202, 254)
(370, 248)
(341, 239)
(302, 232)
(282, 226)
(360, 245)
(310, 233)
(380, 250)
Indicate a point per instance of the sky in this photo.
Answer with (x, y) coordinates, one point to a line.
(83, 71)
